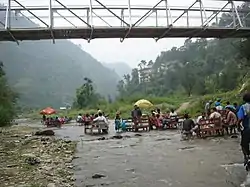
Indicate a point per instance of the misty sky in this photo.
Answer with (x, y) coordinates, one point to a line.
(130, 51)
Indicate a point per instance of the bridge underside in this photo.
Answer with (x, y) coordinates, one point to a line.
(121, 32)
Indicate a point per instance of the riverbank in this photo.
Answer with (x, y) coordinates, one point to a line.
(34, 161)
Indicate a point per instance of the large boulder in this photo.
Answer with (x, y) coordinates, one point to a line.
(45, 133)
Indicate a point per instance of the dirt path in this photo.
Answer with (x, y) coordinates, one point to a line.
(183, 106)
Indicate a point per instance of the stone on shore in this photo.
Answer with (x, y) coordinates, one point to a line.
(45, 133)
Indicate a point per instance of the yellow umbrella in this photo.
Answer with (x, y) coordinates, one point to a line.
(143, 103)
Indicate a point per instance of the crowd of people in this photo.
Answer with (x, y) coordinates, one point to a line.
(86, 119)
(156, 119)
(231, 117)
(55, 120)
(224, 116)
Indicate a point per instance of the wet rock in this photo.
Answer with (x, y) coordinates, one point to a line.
(70, 178)
(117, 137)
(186, 148)
(51, 185)
(98, 176)
(15, 135)
(43, 139)
(75, 157)
(12, 165)
(102, 138)
(70, 166)
(138, 135)
(46, 168)
(27, 135)
(127, 136)
(68, 152)
(67, 141)
(130, 170)
(132, 145)
(31, 159)
(160, 139)
(234, 136)
(45, 133)
(69, 160)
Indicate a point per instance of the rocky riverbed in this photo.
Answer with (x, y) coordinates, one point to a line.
(29, 160)
(155, 158)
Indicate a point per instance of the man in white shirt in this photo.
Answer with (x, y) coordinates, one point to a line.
(100, 118)
(79, 118)
(202, 116)
(173, 114)
(102, 121)
(215, 114)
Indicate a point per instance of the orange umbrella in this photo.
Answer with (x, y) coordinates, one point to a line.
(48, 111)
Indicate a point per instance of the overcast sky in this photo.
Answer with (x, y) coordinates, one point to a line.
(130, 51)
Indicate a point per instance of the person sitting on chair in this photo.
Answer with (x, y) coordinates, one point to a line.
(101, 118)
(188, 125)
(230, 121)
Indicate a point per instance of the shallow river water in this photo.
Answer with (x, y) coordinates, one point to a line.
(155, 159)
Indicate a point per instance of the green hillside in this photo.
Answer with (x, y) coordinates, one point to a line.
(48, 74)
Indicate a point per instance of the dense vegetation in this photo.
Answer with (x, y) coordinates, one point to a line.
(198, 67)
(7, 100)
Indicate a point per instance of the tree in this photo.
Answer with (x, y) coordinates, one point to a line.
(86, 95)
(7, 100)
(198, 66)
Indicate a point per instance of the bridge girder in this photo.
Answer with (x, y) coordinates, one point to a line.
(172, 16)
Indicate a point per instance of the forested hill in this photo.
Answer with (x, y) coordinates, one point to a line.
(199, 67)
(48, 74)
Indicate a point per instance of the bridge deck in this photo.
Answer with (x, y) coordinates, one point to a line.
(120, 32)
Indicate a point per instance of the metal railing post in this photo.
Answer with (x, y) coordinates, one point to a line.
(8, 16)
(129, 12)
(51, 19)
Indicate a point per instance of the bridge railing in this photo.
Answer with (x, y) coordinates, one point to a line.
(98, 13)
(56, 14)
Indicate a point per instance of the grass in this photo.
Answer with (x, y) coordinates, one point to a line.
(123, 105)
(197, 106)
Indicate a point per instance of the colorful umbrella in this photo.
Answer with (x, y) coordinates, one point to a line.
(48, 111)
(143, 103)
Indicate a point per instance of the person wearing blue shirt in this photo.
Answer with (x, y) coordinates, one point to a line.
(237, 107)
(218, 102)
(244, 126)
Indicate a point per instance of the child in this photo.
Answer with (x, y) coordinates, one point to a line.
(117, 122)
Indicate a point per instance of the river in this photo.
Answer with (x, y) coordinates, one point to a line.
(156, 158)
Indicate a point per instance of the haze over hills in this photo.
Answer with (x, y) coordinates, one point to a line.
(121, 68)
(46, 74)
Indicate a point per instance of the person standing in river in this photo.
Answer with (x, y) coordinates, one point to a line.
(136, 115)
(244, 127)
